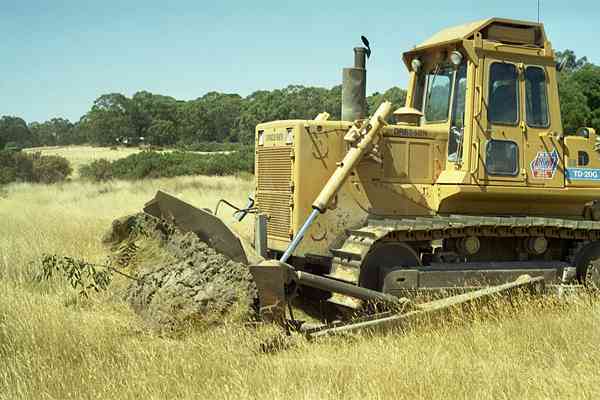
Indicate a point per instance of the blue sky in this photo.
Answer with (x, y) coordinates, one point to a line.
(58, 56)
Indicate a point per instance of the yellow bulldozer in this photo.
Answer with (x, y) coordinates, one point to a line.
(472, 186)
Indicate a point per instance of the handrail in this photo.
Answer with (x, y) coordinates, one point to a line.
(476, 168)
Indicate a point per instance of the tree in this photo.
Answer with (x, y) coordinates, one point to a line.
(112, 116)
(191, 117)
(574, 109)
(15, 130)
(222, 111)
(396, 95)
(579, 91)
(162, 133)
(52, 132)
(149, 107)
(568, 62)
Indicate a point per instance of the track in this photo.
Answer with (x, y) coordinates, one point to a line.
(359, 241)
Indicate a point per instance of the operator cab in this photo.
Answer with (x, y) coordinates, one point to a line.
(488, 90)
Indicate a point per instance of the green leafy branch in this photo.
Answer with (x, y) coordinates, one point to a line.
(80, 274)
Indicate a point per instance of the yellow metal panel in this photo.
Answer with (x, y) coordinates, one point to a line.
(419, 161)
(507, 200)
(454, 33)
(458, 33)
(589, 172)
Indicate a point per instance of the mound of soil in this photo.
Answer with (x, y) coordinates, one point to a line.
(196, 285)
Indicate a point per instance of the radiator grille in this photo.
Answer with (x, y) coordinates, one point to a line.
(274, 193)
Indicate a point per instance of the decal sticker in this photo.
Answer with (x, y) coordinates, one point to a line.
(544, 165)
(583, 174)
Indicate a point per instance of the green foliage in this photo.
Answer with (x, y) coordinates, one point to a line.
(50, 169)
(53, 132)
(25, 167)
(211, 147)
(150, 164)
(15, 167)
(97, 170)
(573, 105)
(112, 116)
(14, 129)
(568, 62)
(161, 133)
(579, 91)
(396, 95)
(79, 273)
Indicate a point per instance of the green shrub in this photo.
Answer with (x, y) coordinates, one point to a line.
(97, 170)
(150, 164)
(210, 147)
(15, 167)
(50, 169)
(23, 167)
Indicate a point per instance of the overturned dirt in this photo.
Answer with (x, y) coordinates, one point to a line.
(188, 283)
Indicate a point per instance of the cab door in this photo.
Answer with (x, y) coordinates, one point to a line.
(543, 151)
(500, 137)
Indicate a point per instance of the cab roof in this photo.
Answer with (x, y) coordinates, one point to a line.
(461, 32)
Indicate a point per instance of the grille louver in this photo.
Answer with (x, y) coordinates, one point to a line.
(274, 193)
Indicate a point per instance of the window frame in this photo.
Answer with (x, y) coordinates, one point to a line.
(518, 163)
(419, 92)
(548, 123)
(518, 94)
(455, 95)
(464, 66)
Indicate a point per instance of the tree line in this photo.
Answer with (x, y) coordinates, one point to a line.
(165, 121)
(221, 117)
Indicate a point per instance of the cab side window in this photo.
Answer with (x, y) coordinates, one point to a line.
(503, 94)
(536, 97)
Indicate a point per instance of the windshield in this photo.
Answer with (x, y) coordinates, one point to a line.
(437, 99)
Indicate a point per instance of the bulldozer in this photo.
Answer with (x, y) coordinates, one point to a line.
(471, 187)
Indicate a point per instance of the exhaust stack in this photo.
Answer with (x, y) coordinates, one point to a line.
(354, 88)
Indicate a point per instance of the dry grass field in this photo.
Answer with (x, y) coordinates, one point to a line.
(55, 345)
(80, 155)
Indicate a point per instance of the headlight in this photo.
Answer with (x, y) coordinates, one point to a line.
(416, 64)
(456, 58)
(261, 138)
(583, 132)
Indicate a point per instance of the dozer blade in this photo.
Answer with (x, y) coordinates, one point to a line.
(206, 225)
(271, 278)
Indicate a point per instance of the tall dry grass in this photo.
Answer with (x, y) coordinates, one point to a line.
(54, 345)
(81, 155)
